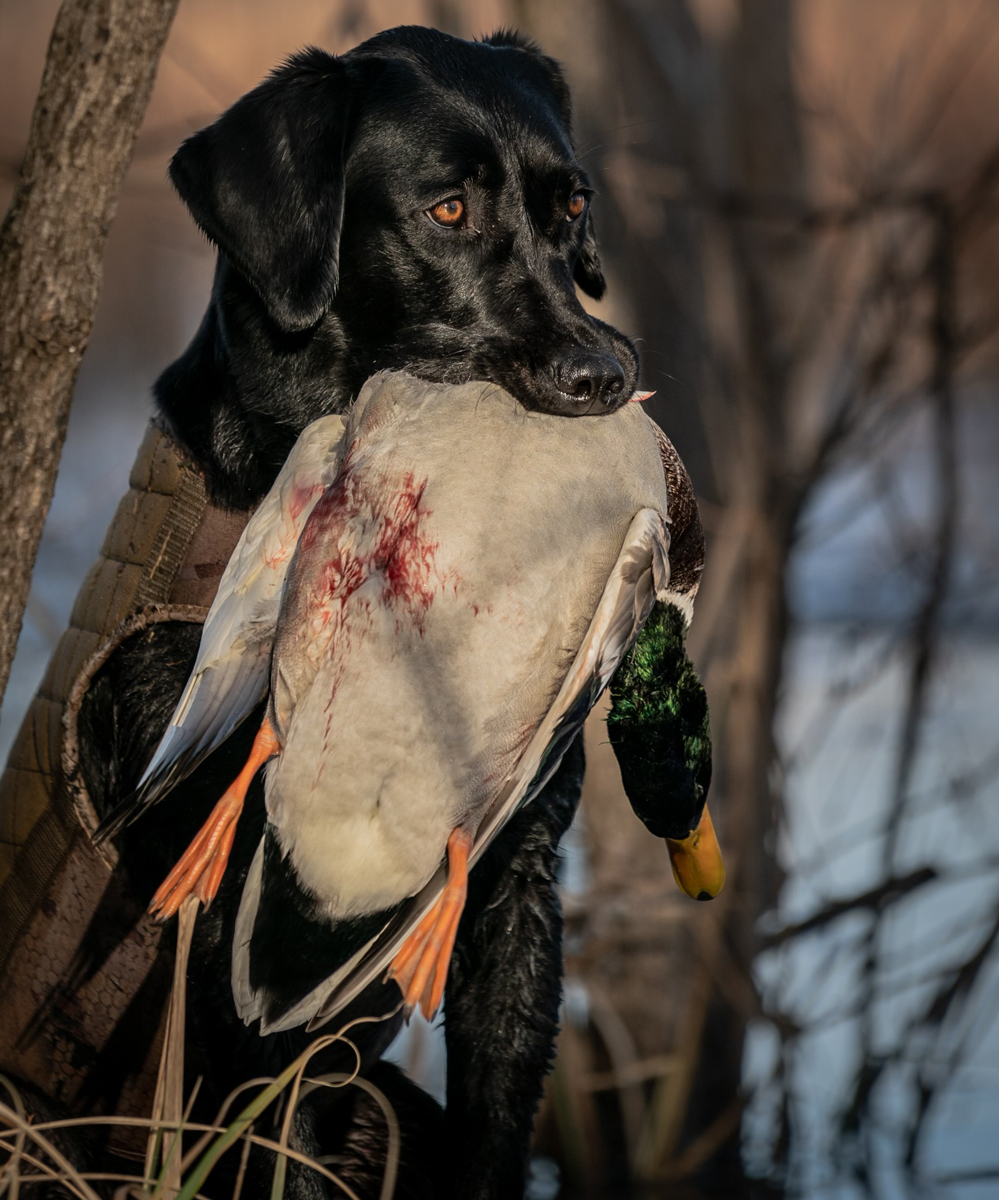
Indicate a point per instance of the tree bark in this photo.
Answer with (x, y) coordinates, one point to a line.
(99, 72)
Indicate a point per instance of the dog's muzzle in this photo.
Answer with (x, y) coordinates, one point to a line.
(588, 382)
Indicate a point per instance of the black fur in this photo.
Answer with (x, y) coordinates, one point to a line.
(315, 188)
(503, 993)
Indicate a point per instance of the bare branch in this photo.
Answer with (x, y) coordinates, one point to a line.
(876, 899)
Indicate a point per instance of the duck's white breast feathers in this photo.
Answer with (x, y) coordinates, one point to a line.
(440, 590)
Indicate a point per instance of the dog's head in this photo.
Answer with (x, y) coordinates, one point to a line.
(416, 204)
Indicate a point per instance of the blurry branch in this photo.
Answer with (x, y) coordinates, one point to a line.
(707, 1143)
(846, 687)
(967, 783)
(866, 374)
(865, 396)
(877, 899)
(972, 1175)
(948, 219)
(951, 997)
(979, 33)
(98, 74)
(941, 273)
(960, 986)
(201, 69)
(945, 543)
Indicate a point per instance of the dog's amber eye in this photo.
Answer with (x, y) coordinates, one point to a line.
(448, 213)
(574, 209)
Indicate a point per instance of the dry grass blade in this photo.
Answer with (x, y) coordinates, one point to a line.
(249, 1114)
(181, 1175)
(339, 1080)
(391, 1121)
(172, 1168)
(291, 1104)
(169, 1099)
(237, 1190)
(10, 1173)
(19, 1123)
(136, 1188)
(219, 1124)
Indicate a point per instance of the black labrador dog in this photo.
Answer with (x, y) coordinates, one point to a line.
(417, 204)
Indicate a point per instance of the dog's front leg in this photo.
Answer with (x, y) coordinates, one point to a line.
(504, 988)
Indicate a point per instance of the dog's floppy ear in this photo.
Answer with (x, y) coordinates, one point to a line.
(588, 272)
(266, 184)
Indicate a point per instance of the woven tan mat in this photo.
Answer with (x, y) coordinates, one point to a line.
(77, 963)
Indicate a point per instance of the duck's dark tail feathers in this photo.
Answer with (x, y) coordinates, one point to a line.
(285, 945)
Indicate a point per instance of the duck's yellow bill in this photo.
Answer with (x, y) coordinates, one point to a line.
(697, 861)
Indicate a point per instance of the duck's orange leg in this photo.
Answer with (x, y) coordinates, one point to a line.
(420, 967)
(201, 867)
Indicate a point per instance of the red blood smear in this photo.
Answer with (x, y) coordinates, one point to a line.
(395, 545)
(300, 496)
(367, 523)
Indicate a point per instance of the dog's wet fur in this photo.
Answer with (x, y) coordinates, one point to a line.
(321, 190)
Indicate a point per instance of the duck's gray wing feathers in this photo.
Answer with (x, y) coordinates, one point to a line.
(249, 1002)
(230, 676)
(640, 574)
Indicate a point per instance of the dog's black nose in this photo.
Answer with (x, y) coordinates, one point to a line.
(589, 376)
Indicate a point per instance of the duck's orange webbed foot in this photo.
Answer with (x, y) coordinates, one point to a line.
(200, 868)
(420, 967)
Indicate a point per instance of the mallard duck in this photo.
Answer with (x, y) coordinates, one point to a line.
(433, 596)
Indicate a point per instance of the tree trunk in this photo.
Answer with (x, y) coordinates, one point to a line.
(99, 72)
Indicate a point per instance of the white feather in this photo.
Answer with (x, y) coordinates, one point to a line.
(230, 676)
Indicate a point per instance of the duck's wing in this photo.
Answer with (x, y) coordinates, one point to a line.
(686, 551)
(230, 675)
(640, 574)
